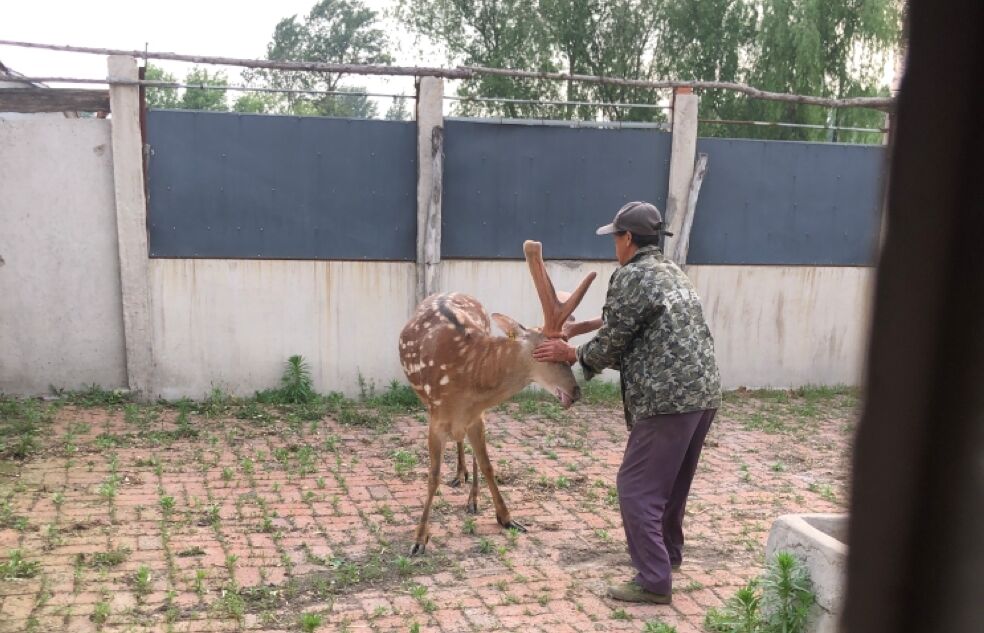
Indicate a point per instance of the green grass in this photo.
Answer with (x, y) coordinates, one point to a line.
(100, 612)
(600, 392)
(22, 421)
(95, 396)
(192, 551)
(655, 626)
(142, 580)
(16, 566)
(404, 462)
(621, 614)
(309, 622)
(8, 519)
(109, 558)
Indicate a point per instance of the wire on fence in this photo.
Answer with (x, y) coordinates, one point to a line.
(469, 72)
(167, 85)
(812, 126)
(597, 104)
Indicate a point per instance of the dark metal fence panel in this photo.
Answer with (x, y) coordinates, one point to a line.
(787, 203)
(226, 185)
(506, 183)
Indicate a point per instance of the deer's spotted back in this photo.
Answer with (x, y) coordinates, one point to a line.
(436, 342)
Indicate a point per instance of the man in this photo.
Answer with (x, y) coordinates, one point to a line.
(653, 331)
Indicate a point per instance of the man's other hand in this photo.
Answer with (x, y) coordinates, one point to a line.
(555, 351)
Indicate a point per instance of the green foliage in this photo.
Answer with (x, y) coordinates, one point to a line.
(601, 392)
(20, 424)
(109, 558)
(161, 98)
(204, 98)
(621, 614)
(296, 386)
(496, 33)
(404, 462)
(787, 594)
(655, 626)
(310, 621)
(96, 396)
(230, 603)
(823, 47)
(17, 567)
(141, 581)
(834, 48)
(778, 602)
(256, 103)
(101, 612)
(338, 31)
(398, 110)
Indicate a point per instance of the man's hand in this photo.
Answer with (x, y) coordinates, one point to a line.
(555, 350)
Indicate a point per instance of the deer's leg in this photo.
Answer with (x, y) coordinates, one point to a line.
(435, 444)
(476, 434)
(462, 476)
(472, 507)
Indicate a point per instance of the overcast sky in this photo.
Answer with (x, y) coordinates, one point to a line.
(230, 28)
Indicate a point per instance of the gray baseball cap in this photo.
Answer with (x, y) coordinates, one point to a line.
(639, 218)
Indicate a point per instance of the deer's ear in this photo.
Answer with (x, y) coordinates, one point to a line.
(510, 326)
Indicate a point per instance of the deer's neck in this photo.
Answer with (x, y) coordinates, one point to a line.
(504, 367)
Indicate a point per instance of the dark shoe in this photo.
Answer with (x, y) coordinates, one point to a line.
(632, 592)
(675, 566)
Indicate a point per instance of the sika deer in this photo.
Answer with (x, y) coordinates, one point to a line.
(459, 370)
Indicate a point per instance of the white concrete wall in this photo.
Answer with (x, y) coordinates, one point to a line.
(232, 323)
(61, 320)
(787, 326)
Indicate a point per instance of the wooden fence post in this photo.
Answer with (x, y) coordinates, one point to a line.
(430, 171)
(682, 154)
(131, 224)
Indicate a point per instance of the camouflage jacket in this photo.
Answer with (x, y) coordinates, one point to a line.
(654, 333)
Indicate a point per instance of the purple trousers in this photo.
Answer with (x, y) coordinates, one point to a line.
(653, 484)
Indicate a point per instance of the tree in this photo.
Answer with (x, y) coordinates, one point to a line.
(256, 103)
(203, 99)
(612, 38)
(821, 47)
(354, 105)
(833, 48)
(711, 40)
(160, 98)
(398, 110)
(495, 33)
(337, 31)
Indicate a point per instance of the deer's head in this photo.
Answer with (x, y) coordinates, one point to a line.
(558, 308)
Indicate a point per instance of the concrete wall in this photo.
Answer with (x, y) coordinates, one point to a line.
(61, 319)
(232, 323)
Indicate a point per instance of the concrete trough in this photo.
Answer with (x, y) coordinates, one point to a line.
(820, 542)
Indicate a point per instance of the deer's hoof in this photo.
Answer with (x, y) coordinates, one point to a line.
(511, 525)
(472, 507)
(417, 549)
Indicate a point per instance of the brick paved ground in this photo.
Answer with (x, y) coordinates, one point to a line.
(265, 516)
